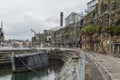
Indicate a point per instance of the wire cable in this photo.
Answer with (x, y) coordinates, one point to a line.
(28, 66)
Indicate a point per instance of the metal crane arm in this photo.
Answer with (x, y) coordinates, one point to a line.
(33, 31)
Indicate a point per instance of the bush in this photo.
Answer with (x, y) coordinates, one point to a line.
(113, 30)
(89, 30)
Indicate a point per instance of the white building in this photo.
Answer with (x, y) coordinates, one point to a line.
(73, 18)
(91, 5)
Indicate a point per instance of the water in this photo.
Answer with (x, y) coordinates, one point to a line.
(44, 74)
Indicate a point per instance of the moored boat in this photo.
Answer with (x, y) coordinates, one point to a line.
(29, 61)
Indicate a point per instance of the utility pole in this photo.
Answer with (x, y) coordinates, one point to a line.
(109, 13)
(74, 31)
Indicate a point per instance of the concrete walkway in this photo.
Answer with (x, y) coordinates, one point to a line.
(110, 65)
(91, 71)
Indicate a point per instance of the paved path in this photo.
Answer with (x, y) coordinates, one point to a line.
(92, 72)
(110, 64)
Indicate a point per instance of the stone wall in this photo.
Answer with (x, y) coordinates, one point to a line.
(106, 13)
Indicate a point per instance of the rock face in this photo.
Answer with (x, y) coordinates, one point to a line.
(106, 13)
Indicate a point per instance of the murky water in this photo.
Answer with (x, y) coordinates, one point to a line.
(44, 74)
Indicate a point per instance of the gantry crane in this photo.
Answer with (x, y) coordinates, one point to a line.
(38, 38)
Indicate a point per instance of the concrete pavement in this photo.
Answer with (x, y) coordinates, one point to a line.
(109, 66)
(91, 71)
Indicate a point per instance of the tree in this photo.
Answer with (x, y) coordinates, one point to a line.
(113, 30)
(66, 35)
(89, 31)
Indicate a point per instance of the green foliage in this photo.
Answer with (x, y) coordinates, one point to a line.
(89, 30)
(67, 34)
(72, 33)
(66, 27)
(113, 30)
(78, 32)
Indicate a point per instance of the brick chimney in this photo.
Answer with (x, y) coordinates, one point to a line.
(2, 26)
(61, 19)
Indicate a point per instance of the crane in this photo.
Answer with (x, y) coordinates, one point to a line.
(36, 34)
(38, 38)
(33, 31)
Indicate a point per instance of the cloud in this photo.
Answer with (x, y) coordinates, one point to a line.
(19, 16)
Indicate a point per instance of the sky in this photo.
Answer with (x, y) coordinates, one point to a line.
(20, 16)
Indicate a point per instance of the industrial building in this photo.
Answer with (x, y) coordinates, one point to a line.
(73, 18)
(91, 5)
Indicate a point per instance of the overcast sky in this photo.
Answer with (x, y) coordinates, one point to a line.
(20, 16)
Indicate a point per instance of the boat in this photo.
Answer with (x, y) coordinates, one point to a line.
(29, 61)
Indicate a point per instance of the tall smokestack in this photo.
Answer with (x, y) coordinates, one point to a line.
(61, 19)
(2, 26)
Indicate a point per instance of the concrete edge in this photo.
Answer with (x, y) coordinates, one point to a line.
(100, 67)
